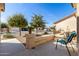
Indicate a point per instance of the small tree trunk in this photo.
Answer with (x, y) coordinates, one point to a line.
(8, 30)
(20, 31)
(36, 30)
(30, 30)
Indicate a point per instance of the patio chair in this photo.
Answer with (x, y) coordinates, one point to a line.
(67, 40)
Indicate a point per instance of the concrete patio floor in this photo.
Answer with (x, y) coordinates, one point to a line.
(13, 47)
(47, 49)
(10, 47)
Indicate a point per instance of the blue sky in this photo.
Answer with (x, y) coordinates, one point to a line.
(51, 12)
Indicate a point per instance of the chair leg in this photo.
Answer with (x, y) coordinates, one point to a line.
(56, 44)
(66, 47)
(68, 50)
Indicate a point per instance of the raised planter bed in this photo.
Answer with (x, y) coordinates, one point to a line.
(33, 41)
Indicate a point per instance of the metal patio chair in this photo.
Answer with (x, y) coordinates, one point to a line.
(67, 40)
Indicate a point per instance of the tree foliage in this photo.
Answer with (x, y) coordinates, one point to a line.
(37, 21)
(4, 25)
(17, 20)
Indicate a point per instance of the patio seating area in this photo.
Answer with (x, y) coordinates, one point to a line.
(46, 47)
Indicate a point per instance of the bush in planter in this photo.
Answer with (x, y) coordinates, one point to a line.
(45, 33)
(8, 36)
(38, 34)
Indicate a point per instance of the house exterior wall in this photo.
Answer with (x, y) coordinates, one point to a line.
(70, 24)
(4, 29)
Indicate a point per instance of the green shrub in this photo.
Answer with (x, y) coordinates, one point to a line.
(45, 32)
(8, 36)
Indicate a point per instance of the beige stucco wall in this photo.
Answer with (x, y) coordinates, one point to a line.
(69, 24)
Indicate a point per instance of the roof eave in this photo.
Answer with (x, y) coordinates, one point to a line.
(74, 5)
(74, 14)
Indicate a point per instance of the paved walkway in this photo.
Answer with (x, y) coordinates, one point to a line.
(15, 48)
